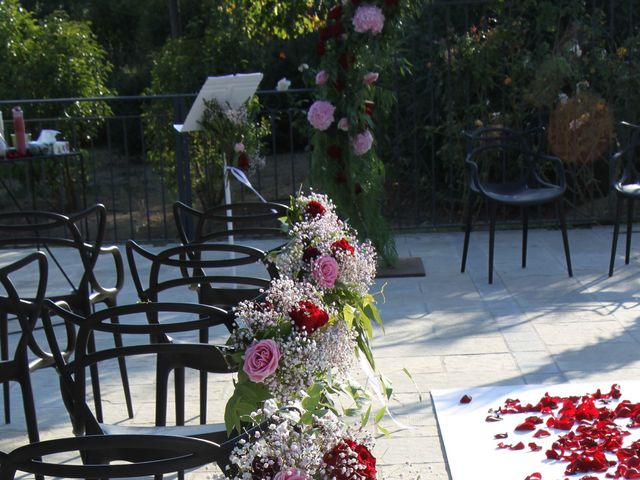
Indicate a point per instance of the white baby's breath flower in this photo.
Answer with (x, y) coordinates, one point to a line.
(283, 85)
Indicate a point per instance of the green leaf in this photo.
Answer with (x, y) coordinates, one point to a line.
(348, 314)
(406, 372)
(379, 414)
(365, 416)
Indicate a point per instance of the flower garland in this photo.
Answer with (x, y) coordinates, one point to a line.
(304, 333)
(353, 47)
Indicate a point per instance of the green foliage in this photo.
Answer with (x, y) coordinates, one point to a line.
(56, 57)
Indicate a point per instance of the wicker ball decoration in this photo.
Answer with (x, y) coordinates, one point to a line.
(581, 129)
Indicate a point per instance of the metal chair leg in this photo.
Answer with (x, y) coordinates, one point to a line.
(629, 230)
(467, 233)
(178, 374)
(95, 380)
(565, 238)
(616, 231)
(525, 232)
(492, 237)
(122, 365)
(4, 355)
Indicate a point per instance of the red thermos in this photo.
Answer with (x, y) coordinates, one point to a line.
(18, 126)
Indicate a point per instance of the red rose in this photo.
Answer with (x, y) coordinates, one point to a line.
(340, 85)
(343, 454)
(342, 245)
(336, 12)
(243, 161)
(309, 254)
(315, 209)
(334, 151)
(320, 49)
(325, 34)
(358, 188)
(308, 316)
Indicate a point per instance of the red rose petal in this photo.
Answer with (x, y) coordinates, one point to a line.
(517, 446)
(534, 447)
(534, 476)
(500, 435)
(466, 399)
(493, 418)
(541, 433)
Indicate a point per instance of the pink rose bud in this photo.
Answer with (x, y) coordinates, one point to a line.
(239, 147)
(292, 474)
(370, 78)
(321, 77)
(343, 124)
(261, 360)
(362, 142)
(320, 114)
(325, 271)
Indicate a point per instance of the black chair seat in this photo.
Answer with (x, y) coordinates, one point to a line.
(214, 432)
(522, 195)
(629, 189)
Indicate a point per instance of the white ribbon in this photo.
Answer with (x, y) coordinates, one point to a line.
(377, 389)
(242, 178)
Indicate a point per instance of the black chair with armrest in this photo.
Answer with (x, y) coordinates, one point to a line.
(139, 456)
(226, 290)
(18, 368)
(150, 358)
(625, 183)
(42, 230)
(520, 182)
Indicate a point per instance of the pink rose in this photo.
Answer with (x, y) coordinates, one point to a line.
(368, 18)
(370, 78)
(343, 124)
(261, 360)
(238, 147)
(292, 474)
(362, 142)
(321, 77)
(325, 271)
(320, 114)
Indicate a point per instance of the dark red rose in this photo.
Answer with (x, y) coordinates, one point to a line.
(325, 34)
(340, 178)
(339, 85)
(465, 398)
(336, 30)
(343, 60)
(334, 151)
(336, 12)
(343, 454)
(264, 467)
(308, 316)
(344, 246)
(309, 254)
(369, 107)
(243, 161)
(320, 49)
(315, 209)
(357, 188)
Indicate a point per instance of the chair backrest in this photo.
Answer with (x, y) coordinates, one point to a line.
(493, 135)
(167, 454)
(258, 219)
(624, 166)
(26, 311)
(139, 348)
(192, 265)
(42, 230)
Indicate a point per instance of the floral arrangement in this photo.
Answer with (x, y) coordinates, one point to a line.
(234, 134)
(302, 336)
(298, 445)
(352, 48)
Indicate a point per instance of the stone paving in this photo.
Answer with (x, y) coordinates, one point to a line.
(449, 329)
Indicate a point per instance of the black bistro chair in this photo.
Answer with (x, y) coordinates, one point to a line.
(27, 312)
(151, 359)
(503, 169)
(43, 230)
(625, 182)
(139, 456)
(205, 268)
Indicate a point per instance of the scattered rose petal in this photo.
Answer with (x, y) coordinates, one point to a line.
(500, 435)
(466, 399)
(534, 476)
(493, 418)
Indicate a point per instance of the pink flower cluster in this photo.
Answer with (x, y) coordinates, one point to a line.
(320, 114)
(368, 18)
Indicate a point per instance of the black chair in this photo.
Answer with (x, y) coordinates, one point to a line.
(145, 455)
(152, 360)
(625, 182)
(218, 223)
(187, 266)
(42, 230)
(18, 369)
(521, 182)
